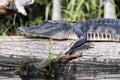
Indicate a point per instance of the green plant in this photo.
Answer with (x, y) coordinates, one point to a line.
(77, 10)
(50, 55)
(72, 10)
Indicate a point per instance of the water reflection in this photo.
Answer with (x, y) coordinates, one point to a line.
(96, 75)
(84, 75)
(73, 74)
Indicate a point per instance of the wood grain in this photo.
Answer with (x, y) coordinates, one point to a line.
(19, 46)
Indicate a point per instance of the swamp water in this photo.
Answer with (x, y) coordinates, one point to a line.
(70, 72)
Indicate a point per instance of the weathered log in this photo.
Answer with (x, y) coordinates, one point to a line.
(13, 48)
(17, 46)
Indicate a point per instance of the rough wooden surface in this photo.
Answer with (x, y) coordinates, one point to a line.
(14, 46)
(17, 46)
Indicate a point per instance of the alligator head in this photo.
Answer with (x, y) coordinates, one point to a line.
(54, 28)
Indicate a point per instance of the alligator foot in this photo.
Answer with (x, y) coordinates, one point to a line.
(69, 48)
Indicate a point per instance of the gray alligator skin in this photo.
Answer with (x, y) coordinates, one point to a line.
(102, 29)
(94, 29)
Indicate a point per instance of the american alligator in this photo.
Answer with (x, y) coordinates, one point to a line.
(102, 29)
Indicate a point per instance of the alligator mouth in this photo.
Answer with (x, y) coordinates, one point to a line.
(21, 29)
(38, 30)
(24, 31)
(27, 30)
(41, 29)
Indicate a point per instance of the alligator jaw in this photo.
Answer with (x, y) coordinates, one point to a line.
(29, 30)
(21, 29)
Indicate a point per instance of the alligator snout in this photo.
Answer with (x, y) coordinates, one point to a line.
(27, 29)
(31, 29)
(22, 29)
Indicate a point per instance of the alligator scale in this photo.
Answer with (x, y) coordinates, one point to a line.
(102, 29)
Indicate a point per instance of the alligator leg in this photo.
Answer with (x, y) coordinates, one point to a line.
(77, 43)
(71, 49)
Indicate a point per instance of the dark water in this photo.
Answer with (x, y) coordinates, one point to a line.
(82, 75)
(96, 75)
(73, 73)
